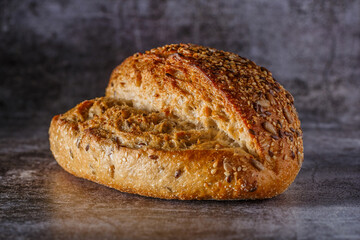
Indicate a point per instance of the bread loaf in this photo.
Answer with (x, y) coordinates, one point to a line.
(185, 122)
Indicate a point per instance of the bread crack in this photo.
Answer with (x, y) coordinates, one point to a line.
(136, 128)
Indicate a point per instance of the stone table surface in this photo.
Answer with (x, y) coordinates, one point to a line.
(39, 200)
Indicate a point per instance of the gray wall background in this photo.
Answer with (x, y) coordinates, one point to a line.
(54, 54)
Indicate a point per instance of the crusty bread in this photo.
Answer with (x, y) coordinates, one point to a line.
(185, 122)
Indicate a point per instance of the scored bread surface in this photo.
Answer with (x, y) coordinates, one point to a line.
(185, 122)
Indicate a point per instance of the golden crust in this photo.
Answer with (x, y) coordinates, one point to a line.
(215, 91)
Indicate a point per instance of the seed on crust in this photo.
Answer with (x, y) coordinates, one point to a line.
(287, 133)
(299, 160)
(87, 147)
(262, 115)
(257, 107)
(177, 173)
(116, 140)
(263, 103)
(264, 70)
(275, 137)
(269, 127)
(257, 164)
(252, 132)
(291, 129)
(267, 113)
(227, 167)
(71, 154)
(271, 154)
(270, 98)
(253, 189)
(228, 179)
(281, 134)
(77, 143)
(154, 157)
(292, 155)
(276, 89)
(109, 151)
(288, 115)
(215, 164)
(213, 171)
(290, 97)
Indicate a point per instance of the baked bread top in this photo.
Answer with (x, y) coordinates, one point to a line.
(215, 89)
(229, 125)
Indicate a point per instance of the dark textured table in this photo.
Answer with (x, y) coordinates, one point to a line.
(54, 54)
(40, 200)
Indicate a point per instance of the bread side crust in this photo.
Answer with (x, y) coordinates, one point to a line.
(185, 174)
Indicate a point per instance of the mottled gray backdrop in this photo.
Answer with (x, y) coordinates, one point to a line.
(54, 54)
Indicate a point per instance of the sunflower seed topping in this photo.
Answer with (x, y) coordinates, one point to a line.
(288, 115)
(227, 167)
(281, 134)
(287, 133)
(262, 115)
(257, 164)
(270, 98)
(263, 103)
(269, 127)
(275, 137)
